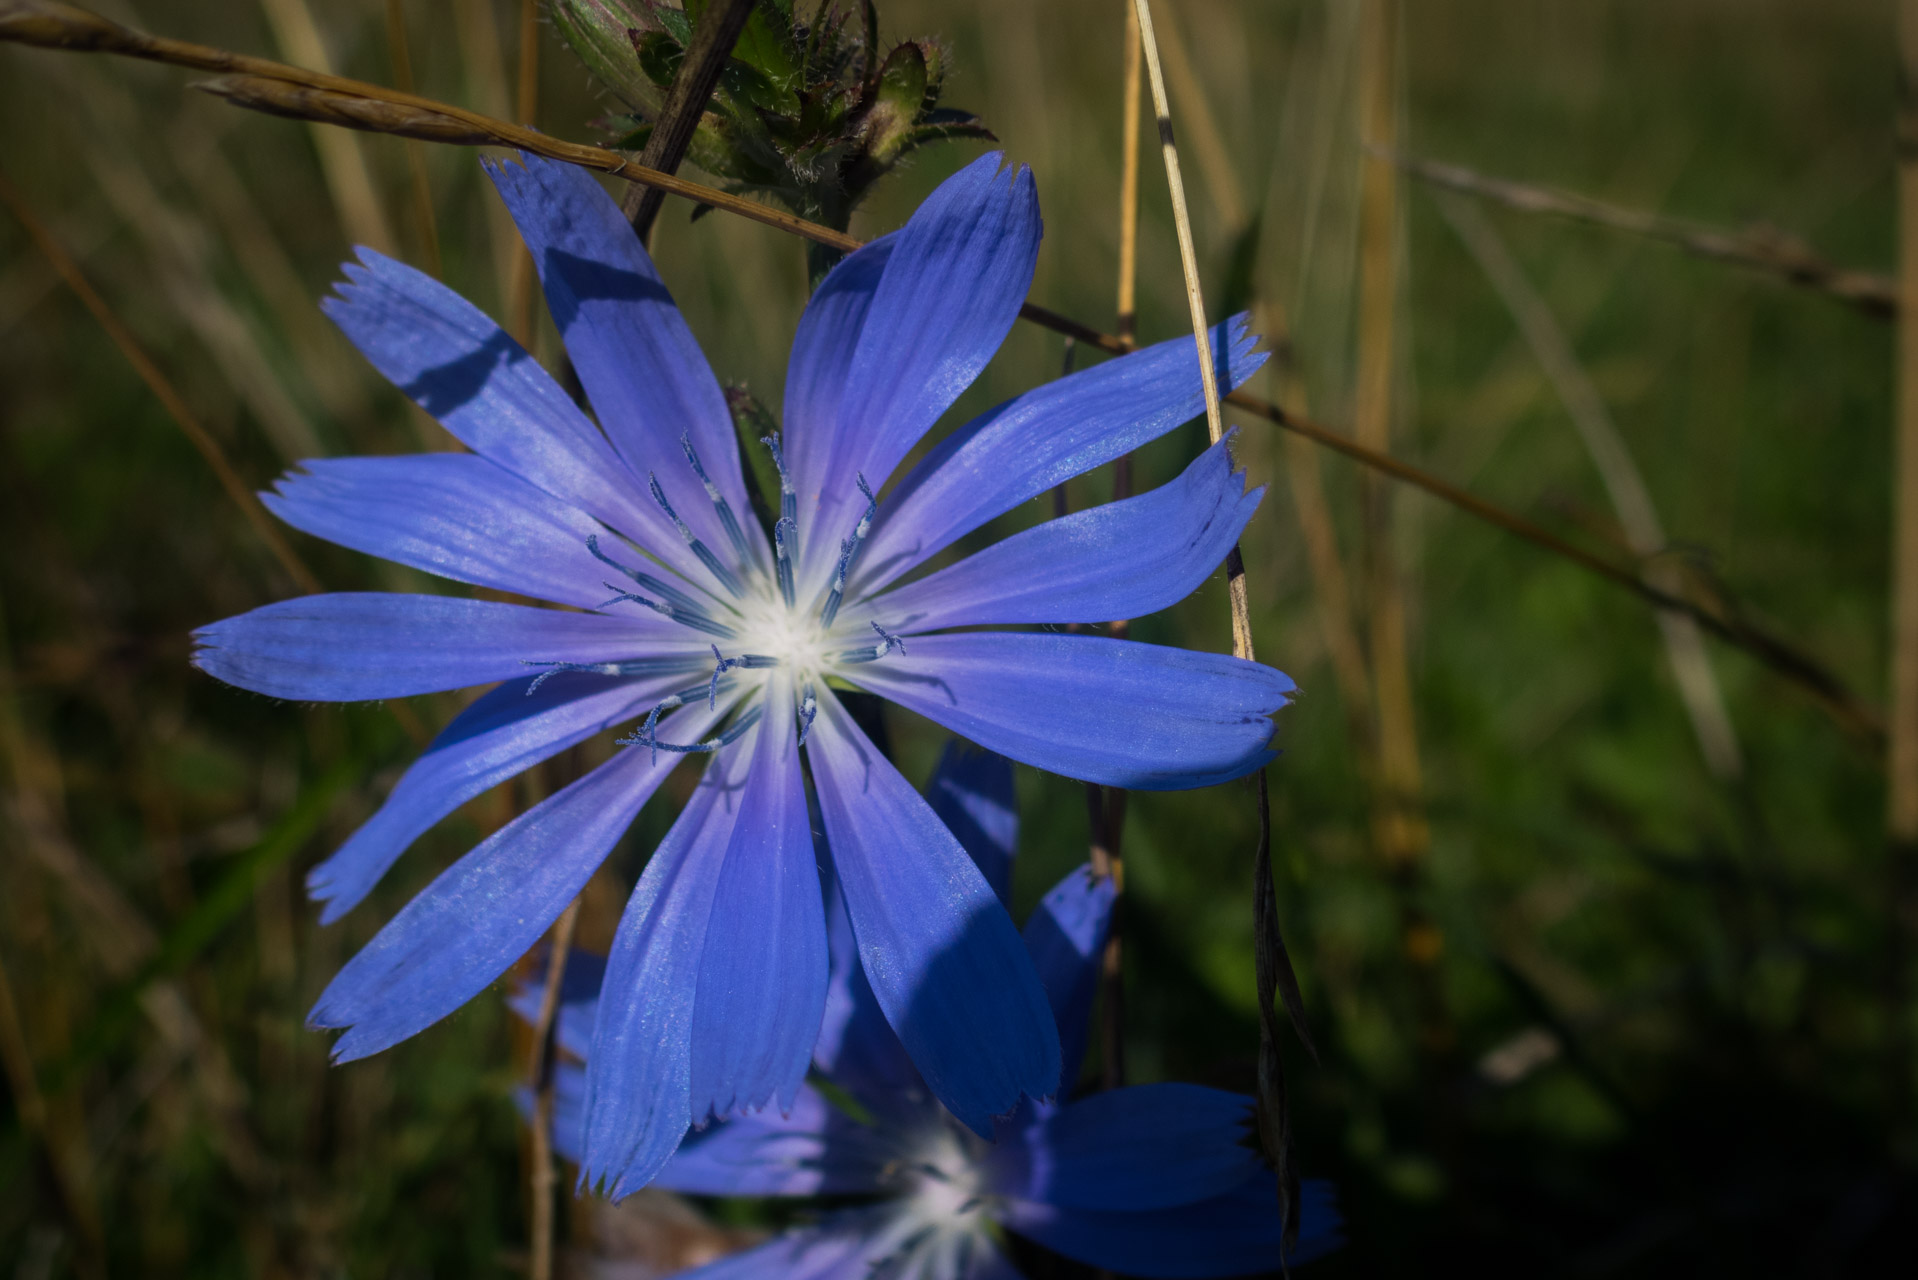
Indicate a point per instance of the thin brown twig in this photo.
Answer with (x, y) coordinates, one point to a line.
(1272, 966)
(162, 388)
(50, 25)
(540, 1075)
(1329, 581)
(679, 115)
(1128, 319)
(1761, 248)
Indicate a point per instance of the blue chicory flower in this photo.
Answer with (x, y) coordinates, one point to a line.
(1152, 1180)
(720, 641)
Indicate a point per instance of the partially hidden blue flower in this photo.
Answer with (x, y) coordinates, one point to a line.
(683, 616)
(1152, 1180)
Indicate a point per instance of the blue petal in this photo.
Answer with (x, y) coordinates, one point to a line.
(762, 975)
(1148, 1147)
(502, 734)
(952, 286)
(1066, 937)
(354, 646)
(822, 352)
(971, 791)
(941, 953)
(578, 1000)
(456, 515)
(1230, 1235)
(1042, 438)
(857, 1048)
(639, 1073)
(1122, 560)
(1140, 716)
(846, 1246)
(483, 387)
(814, 1150)
(487, 909)
(641, 367)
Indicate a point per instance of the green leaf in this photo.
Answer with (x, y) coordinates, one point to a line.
(768, 47)
(678, 23)
(896, 105)
(659, 57)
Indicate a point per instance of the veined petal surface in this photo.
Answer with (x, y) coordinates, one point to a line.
(1125, 559)
(487, 909)
(762, 975)
(453, 514)
(353, 646)
(501, 735)
(1027, 445)
(642, 369)
(452, 360)
(639, 1074)
(1116, 712)
(939, 950)
(952, 285)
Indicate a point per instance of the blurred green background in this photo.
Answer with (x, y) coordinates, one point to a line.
(1620, 1014)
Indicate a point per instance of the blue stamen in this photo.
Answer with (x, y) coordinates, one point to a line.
(785, 534)
(633, 667)
(808, 711)
(727, 520)
(727, 578)
(788, 496)
(674, 603)
(788, 517)
(648, 738)
(889, 642)
(720, 668)
(848, 549)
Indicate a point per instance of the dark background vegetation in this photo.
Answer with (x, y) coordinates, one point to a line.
(1622, 1016)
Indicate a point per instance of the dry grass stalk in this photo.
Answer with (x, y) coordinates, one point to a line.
(1128, 317)
(348, 110)
(485, 85)
(348, 179)
(399, 49)
(1330, 584)
(52, 25)
(1631, 500)
(1761, 248)
(163, 390)
(1273, 966)
(1399, 830)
